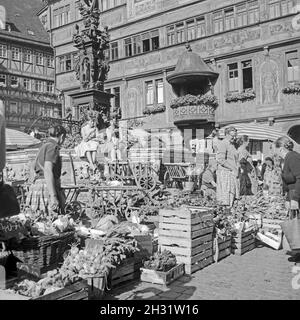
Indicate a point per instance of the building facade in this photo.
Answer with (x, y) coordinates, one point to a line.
(26, 67)
(254, 45)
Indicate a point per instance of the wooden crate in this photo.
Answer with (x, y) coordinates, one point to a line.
(76, 291)
(160, 277)
(272, 223)
(224, 248)
(243, 242)
(128, 270)
(270, 239)
(188, 234)
(184, 226)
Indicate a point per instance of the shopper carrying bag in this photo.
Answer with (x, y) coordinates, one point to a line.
(9, 205)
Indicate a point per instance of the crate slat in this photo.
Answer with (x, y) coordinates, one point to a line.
(177, 251)
(64, 292)
(244, 249)
(184, 242)
(194, 259)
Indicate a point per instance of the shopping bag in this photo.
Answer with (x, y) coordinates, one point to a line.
(291, 229)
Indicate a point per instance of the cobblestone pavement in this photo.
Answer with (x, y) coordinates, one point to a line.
(260, 274)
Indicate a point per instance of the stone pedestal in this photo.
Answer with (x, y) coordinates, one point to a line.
(96, 100)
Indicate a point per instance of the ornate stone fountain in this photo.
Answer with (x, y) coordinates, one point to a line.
(91, 65)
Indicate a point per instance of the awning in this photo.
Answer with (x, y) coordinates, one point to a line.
(17, 139)
(255, 131)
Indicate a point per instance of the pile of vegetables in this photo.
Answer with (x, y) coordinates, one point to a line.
(222, 222)
(81, 264)
(52, 282)
(161, 261)
(270, 207)
(185, 199)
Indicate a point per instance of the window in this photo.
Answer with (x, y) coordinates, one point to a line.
(27, 56)
(61, 64)
(61, 16)
(13, 107)
(39, 58)
(26, 84)
(66, 15)
(50, 87)
(279, 8)
(114, 51)
(218, 22)
(3, 51)
(154, 40)
(241, 13)
(77, 12)
(149, 93)
(293, 66)
(229, 19)
(154, 92)
(128, 47)
(159, 85)
(38, 85)
(191, 30)
(137, 46)
(16, 53)
(65, 63)
(68, 62)
(109, 4)
(150, 41)
(50, 62)
(171, 35)
(233, 75)
(117, 97)
(237, 83)
(287, 7)
(247, 74)
(201, 27)
(180, 37)
(25, 108)
(2, 80)
(146, 42)
(253, 12)
(57, 18)
(14, 81)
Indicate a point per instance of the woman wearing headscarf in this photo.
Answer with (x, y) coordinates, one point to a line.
(228, 169)
(247, 172)
(291, 170)
(45, 194)
(291, 180)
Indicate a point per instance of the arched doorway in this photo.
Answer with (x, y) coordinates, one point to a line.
(294, 133)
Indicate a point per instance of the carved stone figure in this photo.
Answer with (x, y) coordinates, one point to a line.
(86, 71)
(91, 42)
(269, 82)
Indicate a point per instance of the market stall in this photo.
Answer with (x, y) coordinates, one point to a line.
(93, 255)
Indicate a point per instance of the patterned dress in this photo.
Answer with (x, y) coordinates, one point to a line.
(227, 181)
(38, 198)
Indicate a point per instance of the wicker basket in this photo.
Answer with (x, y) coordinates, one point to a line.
(45, 252)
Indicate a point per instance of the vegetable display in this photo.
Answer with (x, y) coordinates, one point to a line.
(161, 261)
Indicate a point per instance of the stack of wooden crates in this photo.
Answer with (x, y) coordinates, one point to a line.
(188, 234)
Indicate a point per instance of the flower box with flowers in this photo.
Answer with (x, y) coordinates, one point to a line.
(245, 95)
(292, 89)
(154, 109)
(192, 100)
